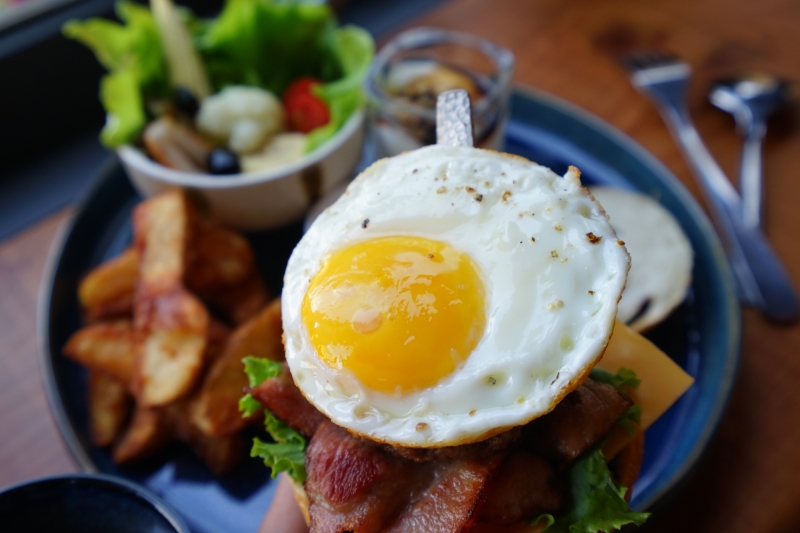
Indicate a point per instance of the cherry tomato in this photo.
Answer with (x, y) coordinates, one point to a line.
(304, 110)
(300, 86)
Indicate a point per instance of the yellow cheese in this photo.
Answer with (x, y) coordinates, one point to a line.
(663, 382)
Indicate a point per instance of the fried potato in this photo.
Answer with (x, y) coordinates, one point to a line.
(215, 408)
(218, 335)
(107, 291)
(108, 347)
(153, 363)
(109, 406)
(220, 454)
(147, 433)
(224, 274)
(163, 226)
(171, 324)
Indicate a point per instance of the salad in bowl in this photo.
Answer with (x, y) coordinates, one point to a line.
(258, 109)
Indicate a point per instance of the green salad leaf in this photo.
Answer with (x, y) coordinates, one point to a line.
(263, 43)
(270, 44)
(596, 504)
(288, 451)
(630, 417)
(624, 378)
(132, 54)
(260, 369)
(354, 49)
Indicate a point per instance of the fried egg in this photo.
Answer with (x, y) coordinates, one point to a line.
(450, 294)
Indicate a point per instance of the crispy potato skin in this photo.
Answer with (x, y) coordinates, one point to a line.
(107, 347)
(215, 409)
(170, 324)
(109, 406)
(107, 291)
(161, 367)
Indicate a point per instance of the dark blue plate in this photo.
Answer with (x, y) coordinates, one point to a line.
(84, 503)
(702, 335)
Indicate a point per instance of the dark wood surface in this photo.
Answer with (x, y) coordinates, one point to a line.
(748, 480)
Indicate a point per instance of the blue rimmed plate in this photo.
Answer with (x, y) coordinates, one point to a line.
(702, 335)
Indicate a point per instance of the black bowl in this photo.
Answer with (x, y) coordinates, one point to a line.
(83, 503)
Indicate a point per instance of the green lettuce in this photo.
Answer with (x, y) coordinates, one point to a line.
(287, 452)
(622, 379)
(132, 54)
(596, 504)
(263, 43)
(354, 49)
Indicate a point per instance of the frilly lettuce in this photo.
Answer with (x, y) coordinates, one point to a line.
(595, 503)
(132, 54)
(263, 43)
(288, 451)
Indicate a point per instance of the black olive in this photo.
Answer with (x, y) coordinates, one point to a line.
(222, 161)
(186, 102)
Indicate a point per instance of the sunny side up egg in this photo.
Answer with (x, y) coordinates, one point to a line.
(450, 294)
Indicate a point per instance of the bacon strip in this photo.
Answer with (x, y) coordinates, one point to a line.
(356, 486)
(525, 486)
(282, 397)
(579, 421)
(452, 502)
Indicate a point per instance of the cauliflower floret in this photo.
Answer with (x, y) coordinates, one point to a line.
(242, 117)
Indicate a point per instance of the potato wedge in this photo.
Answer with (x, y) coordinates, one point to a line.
(215, 408)
(163, 227)
(220, 454)
(218, 335)
(107, 291)
(109, 406)
(171, 324)
(147, 433)
(107, 347)
(224, 274)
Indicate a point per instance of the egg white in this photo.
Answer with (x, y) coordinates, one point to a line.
(554, 271)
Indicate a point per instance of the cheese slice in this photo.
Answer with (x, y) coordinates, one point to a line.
(663, 381)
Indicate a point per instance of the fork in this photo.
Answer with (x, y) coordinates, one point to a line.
(763, 282)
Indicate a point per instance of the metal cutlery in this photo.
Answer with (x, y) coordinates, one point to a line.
(751, 99)
(763, 282)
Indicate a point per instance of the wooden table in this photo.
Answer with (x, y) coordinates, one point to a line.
(747, 481)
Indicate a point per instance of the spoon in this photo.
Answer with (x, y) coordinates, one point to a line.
(750, 98)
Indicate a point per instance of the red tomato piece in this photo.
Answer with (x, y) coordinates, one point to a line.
(306, 112)
(299, 86)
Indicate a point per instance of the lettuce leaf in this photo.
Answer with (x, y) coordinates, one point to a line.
(354, 49)
(288, 457)
(288, 451)
(270, 44)
(630, 418)
(624, 378)
(596, 504)
(132, 54)
(264, 43)
(260, 369)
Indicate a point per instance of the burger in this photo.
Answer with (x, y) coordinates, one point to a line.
(450, 364)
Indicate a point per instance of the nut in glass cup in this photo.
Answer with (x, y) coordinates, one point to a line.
(416, 66)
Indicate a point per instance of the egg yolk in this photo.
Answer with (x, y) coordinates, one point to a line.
(400, 312)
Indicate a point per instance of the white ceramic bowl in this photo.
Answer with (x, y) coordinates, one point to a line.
(258, 200)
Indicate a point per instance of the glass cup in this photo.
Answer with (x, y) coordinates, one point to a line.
(412, 69)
